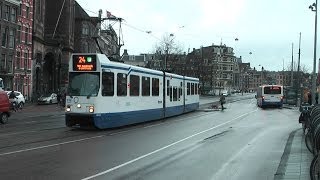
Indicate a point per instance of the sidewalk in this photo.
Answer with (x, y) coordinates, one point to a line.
(296, 159)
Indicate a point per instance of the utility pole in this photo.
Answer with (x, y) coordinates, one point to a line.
(298, 73)
(314, 8)
(291, 83)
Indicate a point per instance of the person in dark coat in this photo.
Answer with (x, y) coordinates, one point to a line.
(309, 98)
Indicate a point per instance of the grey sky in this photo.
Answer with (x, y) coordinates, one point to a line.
(264, 27)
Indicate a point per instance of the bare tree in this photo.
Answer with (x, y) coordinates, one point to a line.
(303, 67)
(167, 50)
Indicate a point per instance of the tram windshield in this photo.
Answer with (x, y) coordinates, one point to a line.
(83, 84)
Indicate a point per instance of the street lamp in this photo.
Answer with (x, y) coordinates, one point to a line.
(167, 49)
(314, 8)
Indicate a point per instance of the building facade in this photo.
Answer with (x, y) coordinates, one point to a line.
(23, 58)
(9, 10)
(53, 42)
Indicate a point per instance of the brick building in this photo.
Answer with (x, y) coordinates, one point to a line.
(23, 62)
(9, 10)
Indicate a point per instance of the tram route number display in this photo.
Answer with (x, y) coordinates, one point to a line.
(84, 63)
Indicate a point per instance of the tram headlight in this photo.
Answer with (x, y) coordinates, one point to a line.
(91, 109)
(78, 105)
(68, 109)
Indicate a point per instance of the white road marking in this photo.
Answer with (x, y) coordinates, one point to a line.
(51, 145)
(163, 148)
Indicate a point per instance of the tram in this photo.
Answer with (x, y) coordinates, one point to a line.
(108, 94)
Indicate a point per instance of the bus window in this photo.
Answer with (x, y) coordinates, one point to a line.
(145, 86)
(188, 88)
(155, 87)
(272, 90)
(121, 84)
(107, 84)
(134, 85)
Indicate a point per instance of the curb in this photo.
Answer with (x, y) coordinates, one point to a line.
(285, 156)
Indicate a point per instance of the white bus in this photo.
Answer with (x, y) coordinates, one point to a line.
(270, 95)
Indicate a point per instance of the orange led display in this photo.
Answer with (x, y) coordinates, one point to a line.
(84, 63)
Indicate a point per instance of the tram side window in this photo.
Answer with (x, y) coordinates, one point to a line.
(197, 88)
(155, 87)
(188, 88)
(168, 88)
(145, 86)
(175, 93)
(134, 85)
(170, 91)
(107, 84)
(121, 84)
(192, 88)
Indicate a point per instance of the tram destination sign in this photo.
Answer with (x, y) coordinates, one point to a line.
(84, 62)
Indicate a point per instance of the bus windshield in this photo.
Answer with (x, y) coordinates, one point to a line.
(83, 84)
(272, 90)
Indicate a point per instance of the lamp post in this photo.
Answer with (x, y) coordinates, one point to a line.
(314, 8)
(167, 51)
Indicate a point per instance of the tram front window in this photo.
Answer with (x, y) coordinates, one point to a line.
(84, 84)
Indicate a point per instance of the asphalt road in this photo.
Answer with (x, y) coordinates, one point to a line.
(241, 142)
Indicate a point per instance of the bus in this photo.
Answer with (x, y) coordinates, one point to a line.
(270, 95)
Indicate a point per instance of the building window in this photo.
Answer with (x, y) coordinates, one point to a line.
(0, 10)
(11, 38)
(26, 35)
(85, 29)
(3, 62)
(6, 12)
(39, 9)
(18, 60)
(19, 34)
(4, 37)
(13, 15)
(25, 61)
(9, 64)
(27, 11)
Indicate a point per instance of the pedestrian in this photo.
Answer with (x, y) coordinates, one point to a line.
(222, 101)
(317, 96)
(309, 98)
(59, 98)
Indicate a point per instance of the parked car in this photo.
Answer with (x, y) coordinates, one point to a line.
(4, 107)
(20, 98)
(48, 99)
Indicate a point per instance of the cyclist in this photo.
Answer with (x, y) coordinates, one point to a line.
(222, 101)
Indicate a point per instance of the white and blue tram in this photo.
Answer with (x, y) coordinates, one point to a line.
(109, 94)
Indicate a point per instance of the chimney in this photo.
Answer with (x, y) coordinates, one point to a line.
(125, 52)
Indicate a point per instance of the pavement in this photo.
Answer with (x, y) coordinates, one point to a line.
(296, 159)
(294, 164)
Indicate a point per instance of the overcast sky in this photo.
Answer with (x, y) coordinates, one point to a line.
(267, 28)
